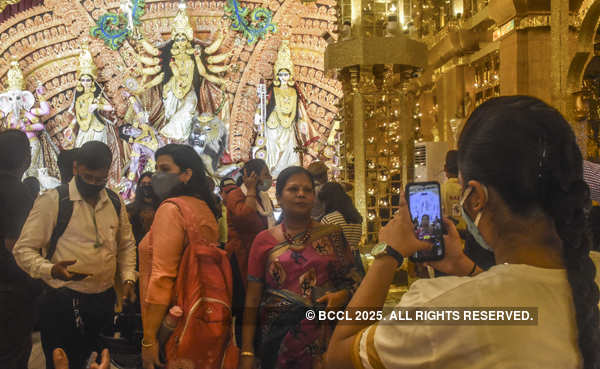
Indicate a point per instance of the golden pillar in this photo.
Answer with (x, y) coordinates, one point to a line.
(357, 121)
(559, 35)
(377, 110)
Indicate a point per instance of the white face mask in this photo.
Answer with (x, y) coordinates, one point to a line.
(473, 226)
(264, 185)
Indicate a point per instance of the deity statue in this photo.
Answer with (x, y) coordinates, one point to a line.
(209, 140)
(288, 130)
(89, 100)
(17, 112)
(187, 73)
(142, 137)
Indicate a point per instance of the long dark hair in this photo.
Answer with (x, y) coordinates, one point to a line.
(186, 158)
(138, 201)
(334, 198)
(251, 166)
(527, 152)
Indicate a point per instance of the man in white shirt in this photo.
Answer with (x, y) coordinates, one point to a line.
(80, 264)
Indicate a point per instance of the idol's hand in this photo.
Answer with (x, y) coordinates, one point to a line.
(92, 108)
(399, 233)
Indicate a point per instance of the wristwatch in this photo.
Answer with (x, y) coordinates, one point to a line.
(383, 249)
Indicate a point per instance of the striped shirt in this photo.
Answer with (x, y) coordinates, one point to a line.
(591, 175)
(352, 231)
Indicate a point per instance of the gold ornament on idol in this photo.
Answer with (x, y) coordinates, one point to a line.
(86, 63)
(84, 117)
(16, 82)
(183, 73)
(181, 24)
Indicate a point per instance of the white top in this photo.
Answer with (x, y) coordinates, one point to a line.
(552, 343)
(352, 232)
(77, 243)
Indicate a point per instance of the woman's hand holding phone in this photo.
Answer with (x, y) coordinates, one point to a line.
(455, 262)
(399, 233)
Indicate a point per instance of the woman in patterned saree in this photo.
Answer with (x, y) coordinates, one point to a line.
(298, 265)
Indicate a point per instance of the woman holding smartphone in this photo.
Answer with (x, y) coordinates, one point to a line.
(523, 198)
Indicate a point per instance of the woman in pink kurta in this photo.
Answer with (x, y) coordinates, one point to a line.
(180, 174)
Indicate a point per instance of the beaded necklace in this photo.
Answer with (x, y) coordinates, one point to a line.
(296, 244)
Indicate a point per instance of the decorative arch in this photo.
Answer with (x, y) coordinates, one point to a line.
(588, 19)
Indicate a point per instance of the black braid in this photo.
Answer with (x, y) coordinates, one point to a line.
(567, 209)
(527, 152)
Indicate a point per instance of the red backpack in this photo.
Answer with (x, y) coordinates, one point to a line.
(204, 337)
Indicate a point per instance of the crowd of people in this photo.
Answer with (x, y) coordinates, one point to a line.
(223, 280)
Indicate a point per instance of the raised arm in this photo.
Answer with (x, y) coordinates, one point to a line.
(373, 290)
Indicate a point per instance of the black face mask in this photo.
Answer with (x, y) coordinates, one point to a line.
(86, 189)
(147, 191)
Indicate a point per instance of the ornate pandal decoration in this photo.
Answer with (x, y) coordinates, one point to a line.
(297, 245)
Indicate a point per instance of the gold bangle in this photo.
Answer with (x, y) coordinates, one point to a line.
(146, 345)
(247, 353)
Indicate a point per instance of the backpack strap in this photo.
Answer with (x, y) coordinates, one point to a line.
(116, 201)
(65, 211)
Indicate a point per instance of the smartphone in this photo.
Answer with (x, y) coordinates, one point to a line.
(425, 207)
(77, 276)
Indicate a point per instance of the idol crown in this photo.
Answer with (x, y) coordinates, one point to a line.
(181, 24)
(284, 59)
(86, 63)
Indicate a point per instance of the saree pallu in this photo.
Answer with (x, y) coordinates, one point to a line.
(293, 278)
(286, 339)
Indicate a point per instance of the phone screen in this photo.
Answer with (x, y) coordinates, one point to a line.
(425, 206)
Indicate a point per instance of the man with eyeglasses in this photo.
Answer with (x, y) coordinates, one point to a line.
(76, 239)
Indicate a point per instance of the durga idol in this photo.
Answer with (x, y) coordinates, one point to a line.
(288, 129)
(188, 76)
